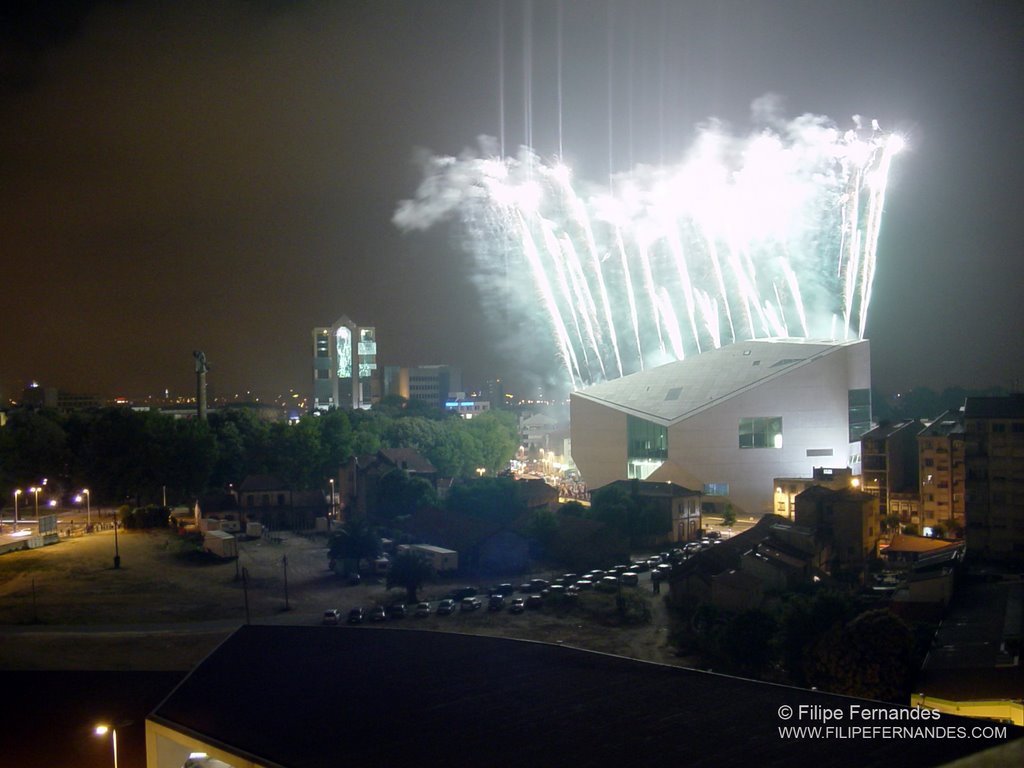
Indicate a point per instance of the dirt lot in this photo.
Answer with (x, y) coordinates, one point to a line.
(66, 607)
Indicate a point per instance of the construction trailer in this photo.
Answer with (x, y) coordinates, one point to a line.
(220, 543)
(441, 560)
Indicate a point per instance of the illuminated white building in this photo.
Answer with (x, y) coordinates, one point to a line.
(729, 421)
(344, 365)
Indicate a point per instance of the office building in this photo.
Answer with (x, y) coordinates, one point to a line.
(345, 366)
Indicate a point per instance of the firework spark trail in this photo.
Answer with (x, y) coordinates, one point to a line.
(794, 290)
(628, 281)
(745, 238)
(675, 247)
(561, 334)
(650, 291)
(584, 307)
(880, 181)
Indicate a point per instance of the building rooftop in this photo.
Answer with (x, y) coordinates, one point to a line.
(972, 656)
(648, 488)
(947, 423)
(1009, 407)
(902, 542)
(679, 390)
(319, 697)
(885, 431)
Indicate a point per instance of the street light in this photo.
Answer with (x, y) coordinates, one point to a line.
(88, 509)
(332, 503)
(17, 493)
(36, 490)
(102, 730)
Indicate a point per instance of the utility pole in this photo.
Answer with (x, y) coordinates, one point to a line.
(284, 562)
(245, 591)
(117, 552)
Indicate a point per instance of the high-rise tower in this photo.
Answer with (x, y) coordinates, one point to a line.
(344, 365)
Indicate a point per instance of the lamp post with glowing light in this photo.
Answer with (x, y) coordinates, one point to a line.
(333, 509)
(102, 730)
(35, 490)
(17, 493)
(88, 508)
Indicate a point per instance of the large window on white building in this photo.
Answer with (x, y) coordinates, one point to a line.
(760, 432)
(647, 447)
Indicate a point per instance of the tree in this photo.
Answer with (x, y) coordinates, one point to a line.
(399, 494)
(891, 522)
(746, 642)
(32, 446)
(297, 454)
(496, 499)
(870, 657)
(352, 542)
(573, 509)
(728, 516)
(614, 507)
(542, 528)
(495, 433)
(803, 621)
(409, 571)
(337, 441)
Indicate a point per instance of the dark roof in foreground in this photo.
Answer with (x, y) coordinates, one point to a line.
(313, 697)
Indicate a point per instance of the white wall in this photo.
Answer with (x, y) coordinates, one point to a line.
(813, 402)
(598, 441)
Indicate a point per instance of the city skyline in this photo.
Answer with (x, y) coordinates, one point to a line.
(187, 177)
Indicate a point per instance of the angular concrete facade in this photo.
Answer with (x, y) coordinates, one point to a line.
(728, 421)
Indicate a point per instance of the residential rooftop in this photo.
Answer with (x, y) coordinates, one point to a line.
(319, 697)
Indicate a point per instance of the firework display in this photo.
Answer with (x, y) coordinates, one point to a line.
(773, 235)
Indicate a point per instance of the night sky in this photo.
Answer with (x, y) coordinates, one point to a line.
(222, 175)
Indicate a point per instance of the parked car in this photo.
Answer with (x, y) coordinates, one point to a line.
(354, 580)
(355, 616)
(397, 611)
(583, 585)
(470, 604)
(518, 605)
(463, 592)
(378, 613)
(422, 610)
(446, 607)
(534, 601)
(538, 585)
(630, 579)
(332, 616)
(608, 584)
(496, 603)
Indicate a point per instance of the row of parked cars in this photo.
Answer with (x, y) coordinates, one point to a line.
(531, 594)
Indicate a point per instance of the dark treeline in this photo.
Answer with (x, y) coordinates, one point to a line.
(126, 455)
